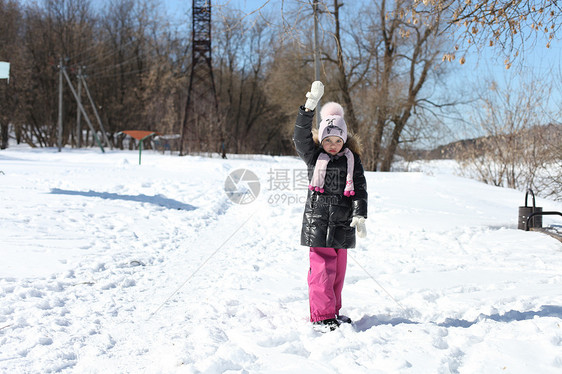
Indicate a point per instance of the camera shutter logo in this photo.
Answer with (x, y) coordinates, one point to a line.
(242, 186)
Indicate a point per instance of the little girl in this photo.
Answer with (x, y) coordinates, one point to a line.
(336, 205)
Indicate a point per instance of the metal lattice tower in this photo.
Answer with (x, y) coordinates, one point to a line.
(201, 125)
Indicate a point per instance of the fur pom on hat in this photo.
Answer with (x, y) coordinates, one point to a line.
(332, 123)
(331, 109)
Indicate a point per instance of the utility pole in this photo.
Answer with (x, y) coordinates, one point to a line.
(59, 132)
(81, 107)
(83, 80)
(316, 53)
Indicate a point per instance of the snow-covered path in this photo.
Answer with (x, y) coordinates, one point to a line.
(112, 267)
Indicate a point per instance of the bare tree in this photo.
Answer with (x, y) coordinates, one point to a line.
(549, 183)
(244, 62)
(137, 69)
(374, 56)
(60, 29)
(409, 56)
(512, 150)
(345, 66)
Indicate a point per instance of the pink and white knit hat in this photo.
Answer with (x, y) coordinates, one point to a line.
(332, 123)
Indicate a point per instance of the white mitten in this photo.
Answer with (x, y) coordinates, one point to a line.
(314, 96)
(359, 223)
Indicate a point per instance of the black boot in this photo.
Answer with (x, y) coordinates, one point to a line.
(330, 324)
(343, 319)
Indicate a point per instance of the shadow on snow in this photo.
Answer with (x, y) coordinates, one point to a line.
(367, 322)
(156, 200)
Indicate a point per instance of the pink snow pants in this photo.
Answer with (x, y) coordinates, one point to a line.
(325, 281)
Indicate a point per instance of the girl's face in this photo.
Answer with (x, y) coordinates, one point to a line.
(332, 144)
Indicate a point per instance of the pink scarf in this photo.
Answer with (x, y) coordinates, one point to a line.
(317, 183)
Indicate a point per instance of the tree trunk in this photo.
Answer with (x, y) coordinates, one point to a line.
(384, 83)
(414, 88)
(386, 163)
(343, 81)
(4, 134)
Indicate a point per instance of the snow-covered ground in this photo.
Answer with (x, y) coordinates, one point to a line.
(108, 266)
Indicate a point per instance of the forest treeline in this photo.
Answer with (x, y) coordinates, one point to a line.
(136, 65)
(388, 63)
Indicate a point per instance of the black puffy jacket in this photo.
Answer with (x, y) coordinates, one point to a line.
(327, 215)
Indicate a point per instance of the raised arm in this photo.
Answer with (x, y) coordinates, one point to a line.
(303, 126)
